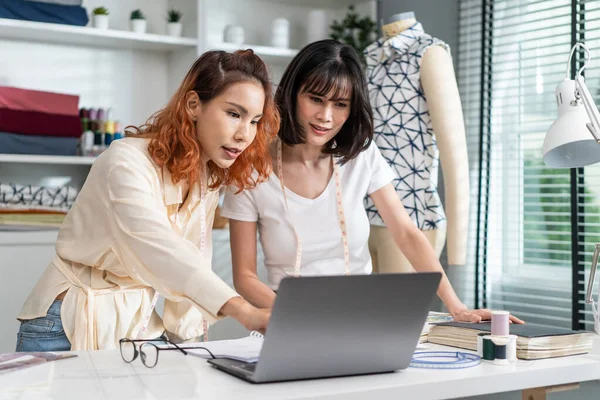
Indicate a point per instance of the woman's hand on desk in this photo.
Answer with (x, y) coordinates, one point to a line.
(483, 314)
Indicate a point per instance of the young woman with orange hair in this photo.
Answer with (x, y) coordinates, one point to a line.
(141, 223)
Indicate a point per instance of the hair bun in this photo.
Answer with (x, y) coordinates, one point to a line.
(245, 52)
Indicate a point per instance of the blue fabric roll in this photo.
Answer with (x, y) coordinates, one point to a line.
(43, 12)
(64, 2)
(13, 143)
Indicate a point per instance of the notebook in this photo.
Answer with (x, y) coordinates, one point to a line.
(533, 342)
(246, 349)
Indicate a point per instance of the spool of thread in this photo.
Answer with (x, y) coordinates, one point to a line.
(500, 350)
(480, 337)
(118, 131)
(511, 348)
(488, 349)
(500, 323)
(109, 128)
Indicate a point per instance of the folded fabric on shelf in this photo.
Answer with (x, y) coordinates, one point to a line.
(43, 12)
(14, 98)
(12, 220)
(14, 143)
(38, 123)
(18, 197)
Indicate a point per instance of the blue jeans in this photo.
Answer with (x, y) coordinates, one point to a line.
(44, 333)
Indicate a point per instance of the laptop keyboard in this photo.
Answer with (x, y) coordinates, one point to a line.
(247, 367)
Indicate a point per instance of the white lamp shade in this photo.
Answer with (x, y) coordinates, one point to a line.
(569, 143)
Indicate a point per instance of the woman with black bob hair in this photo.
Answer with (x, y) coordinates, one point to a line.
(310, 213)
(327, 68)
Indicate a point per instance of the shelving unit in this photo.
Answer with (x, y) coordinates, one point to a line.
(271, 54)
(40, 159)
(87, 36)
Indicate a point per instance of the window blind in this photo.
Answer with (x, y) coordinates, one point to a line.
(532, 228)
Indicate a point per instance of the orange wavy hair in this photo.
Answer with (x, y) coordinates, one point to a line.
(174, 143)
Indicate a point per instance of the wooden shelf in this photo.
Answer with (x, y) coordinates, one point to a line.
(87, 36)
(38, 159)
(266, 52)
(331, 4)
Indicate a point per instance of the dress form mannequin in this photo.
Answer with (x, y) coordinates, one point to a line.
(445, 119)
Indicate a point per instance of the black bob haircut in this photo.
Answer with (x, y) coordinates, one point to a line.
(323, 68)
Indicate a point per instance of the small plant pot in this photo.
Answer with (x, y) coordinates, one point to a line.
(174, 29)
(138, 25)
(100, 21)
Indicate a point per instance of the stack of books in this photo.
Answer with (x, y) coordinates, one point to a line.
(533, 342)
(433, 317)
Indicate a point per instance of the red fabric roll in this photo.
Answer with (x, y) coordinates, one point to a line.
(38, 123)
(14, 98)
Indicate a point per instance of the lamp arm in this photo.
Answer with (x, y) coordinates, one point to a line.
(589, 298)
(590, 107)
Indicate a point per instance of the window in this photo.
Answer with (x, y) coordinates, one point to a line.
(532, 228)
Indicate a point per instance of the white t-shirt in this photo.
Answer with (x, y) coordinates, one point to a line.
(316, 220)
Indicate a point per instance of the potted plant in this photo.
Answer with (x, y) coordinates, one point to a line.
(174, 26)
(100, 17)
(354, 31)
(138, 21)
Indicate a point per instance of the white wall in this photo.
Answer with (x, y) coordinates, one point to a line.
(439, 18)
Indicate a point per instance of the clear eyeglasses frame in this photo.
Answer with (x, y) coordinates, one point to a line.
(148, 350)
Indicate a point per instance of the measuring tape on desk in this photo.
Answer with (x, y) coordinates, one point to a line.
(444, 360)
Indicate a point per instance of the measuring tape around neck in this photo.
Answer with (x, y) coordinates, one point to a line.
(340, 208)
(150, 309)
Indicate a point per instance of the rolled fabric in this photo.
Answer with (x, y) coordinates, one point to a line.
(36, 100)
(14, 143)
(43, 12)
(63, 2)
(37, 123)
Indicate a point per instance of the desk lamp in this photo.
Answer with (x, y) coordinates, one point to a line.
(572, 141)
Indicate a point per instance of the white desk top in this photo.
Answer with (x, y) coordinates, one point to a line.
(103, 375)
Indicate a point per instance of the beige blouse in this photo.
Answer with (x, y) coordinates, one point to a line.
(129, 234)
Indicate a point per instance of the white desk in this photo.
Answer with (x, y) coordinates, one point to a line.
(103, 375)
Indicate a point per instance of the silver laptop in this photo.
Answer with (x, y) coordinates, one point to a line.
(340, 325)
